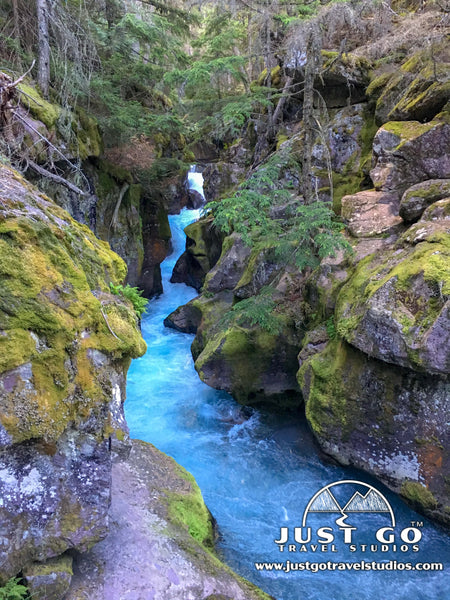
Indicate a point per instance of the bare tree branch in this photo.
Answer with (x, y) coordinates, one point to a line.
(57, 178)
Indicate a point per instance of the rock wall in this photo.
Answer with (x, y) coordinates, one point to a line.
(120, 204)
(371, 329)
(156, 502)
(66, 344)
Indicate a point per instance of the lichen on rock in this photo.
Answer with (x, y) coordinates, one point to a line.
(66, 344)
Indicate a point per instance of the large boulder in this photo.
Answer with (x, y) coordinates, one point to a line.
(417, 90)
(203, 249)
(160, 544)
(406, 153)
(371, 213)
(395, 306)
(65, 346)
(232, 263)
(416, 199)
(385, 419)
(253, 365)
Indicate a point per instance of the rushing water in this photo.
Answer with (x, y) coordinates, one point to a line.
(257, 471)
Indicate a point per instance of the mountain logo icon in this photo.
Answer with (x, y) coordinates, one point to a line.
(369, 500)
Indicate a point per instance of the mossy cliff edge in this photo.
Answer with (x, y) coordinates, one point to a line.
(65, 347)
(158, 503)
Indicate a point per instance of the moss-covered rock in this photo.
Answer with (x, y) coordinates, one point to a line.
(423, 147)
(49, 580)
(253, 365)
(40, 108)
(416, 199)
(395, 306)
(160, 524)
(417, 90)
(203, 249)
(387, 420)
(65, 344)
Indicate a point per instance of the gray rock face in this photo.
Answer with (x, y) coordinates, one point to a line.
(53, 498)
(195, 199)
(343, 143)
(406, 153)
(396, 307)
(49, 580)
(418, 197)
(384, 419)
(229, 269)
(146, 554)
(62, 378)
(221, 178)
(203, 248)
(371, 213)
(186, 318)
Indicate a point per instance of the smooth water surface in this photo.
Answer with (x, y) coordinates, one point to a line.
(257, 471)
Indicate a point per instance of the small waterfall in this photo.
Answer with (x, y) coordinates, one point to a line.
(196, 196)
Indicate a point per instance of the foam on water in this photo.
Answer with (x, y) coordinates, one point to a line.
(257, 471)
(195, 181)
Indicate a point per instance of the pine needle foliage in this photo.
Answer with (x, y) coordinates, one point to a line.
(257, 310)
(303, 236)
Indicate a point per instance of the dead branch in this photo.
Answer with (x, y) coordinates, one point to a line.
(53, 147)
(57, 178)
(115, 217)
(109, 327)
(22, 77)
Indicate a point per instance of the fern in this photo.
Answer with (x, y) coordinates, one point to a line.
(13, 590)
(133, 294)
(256, 310)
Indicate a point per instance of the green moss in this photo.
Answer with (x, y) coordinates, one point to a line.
(120, 174)
(428, 259)
(188, 510)
(344, 185)
(41, 109)
(54, 298)
(325, 397)
(164, 226)
(408, 130)
(281, 138)
(377, 85)
(236, 342)
(275, 76)
(61, 564)
(435, 190)
(88, 138)
(347, 59)
(16, 347)
(418, 495)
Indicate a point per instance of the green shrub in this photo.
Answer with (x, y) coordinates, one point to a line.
(133, 294)
(13, 590)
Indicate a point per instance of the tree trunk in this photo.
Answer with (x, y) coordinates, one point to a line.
(268, 61)
(308, 120)
(15, 9)
(109, 12)
(43, 77)
(282, 101)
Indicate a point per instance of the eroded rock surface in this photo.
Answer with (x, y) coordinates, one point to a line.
(65, 347)
(159, 543)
